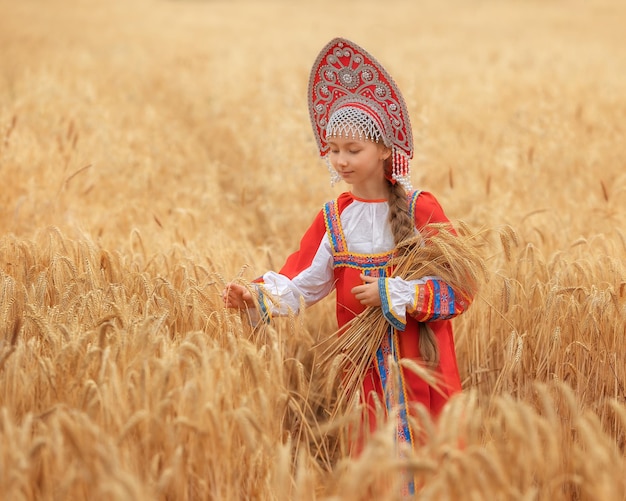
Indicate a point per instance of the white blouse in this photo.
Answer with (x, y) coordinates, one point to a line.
(367, 231)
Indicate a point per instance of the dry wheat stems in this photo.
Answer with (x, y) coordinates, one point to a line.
(455, 258)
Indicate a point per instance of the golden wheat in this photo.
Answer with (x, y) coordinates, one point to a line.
(152, 151)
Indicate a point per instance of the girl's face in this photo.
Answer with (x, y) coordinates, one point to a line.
(360, 163)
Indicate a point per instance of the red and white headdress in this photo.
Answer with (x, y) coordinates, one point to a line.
(351, 94)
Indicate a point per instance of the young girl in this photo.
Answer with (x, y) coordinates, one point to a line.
(362, 128)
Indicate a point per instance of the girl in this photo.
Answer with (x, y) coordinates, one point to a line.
(362, 128)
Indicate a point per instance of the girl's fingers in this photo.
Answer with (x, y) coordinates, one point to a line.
(229, 295)
(237, 296)
(367, 279)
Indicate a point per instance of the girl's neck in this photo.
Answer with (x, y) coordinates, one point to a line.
(370, 195)
(380, 192)
(369, 200)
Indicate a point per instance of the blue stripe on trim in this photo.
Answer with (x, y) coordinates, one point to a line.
(403, 415)
(402, 409)
(436, 299)
(266, 315)
(452, 301)
(353, 264)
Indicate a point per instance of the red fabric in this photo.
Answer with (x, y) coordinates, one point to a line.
(428, 210)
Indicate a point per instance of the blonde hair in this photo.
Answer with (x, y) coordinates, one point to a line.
(402, 225)
(402, 228)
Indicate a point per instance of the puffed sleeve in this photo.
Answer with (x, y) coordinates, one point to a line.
(426, 299)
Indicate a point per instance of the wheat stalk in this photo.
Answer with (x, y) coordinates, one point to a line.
(455, 258)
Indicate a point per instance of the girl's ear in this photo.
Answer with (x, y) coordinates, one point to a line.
(385, 153)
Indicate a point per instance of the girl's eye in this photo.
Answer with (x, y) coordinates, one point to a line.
(354, 151)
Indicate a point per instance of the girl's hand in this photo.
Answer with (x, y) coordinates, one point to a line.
(367, 294)
(237, 296)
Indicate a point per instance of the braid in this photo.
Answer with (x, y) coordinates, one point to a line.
(403, 227)
(428, 346)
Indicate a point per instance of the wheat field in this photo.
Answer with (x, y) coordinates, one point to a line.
(152, 150)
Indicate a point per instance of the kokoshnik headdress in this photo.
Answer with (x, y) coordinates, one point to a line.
(352, 95)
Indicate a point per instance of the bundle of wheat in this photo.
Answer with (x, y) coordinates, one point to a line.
(455, 257)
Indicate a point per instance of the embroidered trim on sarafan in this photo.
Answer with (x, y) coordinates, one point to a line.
(412, 201)
(394, 390)
(264, 307)
(434, 300)
(333, 226)
(362, 261)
